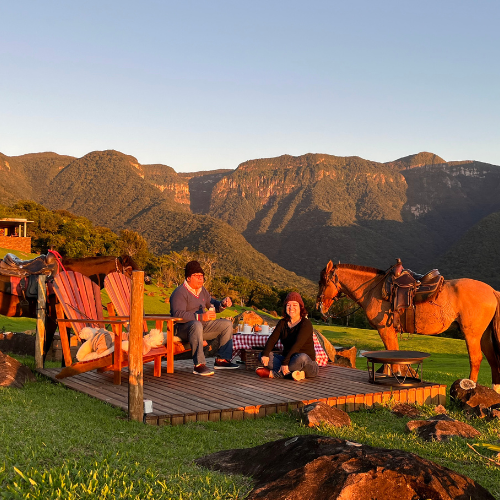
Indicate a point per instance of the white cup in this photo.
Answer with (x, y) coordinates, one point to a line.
(265, 329)
(247, 328)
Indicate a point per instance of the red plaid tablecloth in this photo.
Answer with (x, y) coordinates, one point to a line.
(249, 341)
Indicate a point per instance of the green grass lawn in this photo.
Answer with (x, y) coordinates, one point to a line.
(56, 443)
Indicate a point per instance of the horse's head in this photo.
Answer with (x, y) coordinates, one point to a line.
(329, 288)
(128, 265)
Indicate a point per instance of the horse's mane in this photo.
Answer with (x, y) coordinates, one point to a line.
(354, 267)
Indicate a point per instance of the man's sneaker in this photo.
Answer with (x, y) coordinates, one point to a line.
(224, 364)
(202, 370)
(298, 375)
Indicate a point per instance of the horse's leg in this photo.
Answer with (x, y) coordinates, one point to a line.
(473, 343)
(50, 325)
(489, 351)
(389, 337)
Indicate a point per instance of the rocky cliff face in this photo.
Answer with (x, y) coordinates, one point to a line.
(268, 195)
(165, 178)
(200, 185)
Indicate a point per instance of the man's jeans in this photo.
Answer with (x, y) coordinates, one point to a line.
(299, 361)
(195, 332)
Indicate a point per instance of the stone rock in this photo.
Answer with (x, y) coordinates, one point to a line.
(440, 409)
(319, 413)
(441, 428)
(348, 354)
(326, 345)
(489, 413)
(405, 410)
(324, 468)
(469, 399)
(13, 373)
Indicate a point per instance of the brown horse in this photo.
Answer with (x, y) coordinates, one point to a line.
(96, 268)
(471, 304)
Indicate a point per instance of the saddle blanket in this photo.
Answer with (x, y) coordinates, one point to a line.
(249, 341)
(15, 285)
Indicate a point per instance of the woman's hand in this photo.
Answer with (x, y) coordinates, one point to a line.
(284, 369)
(265, 360)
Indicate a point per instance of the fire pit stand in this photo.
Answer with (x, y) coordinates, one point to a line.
(410, 364)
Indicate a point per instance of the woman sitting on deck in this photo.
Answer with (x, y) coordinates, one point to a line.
(295, 331)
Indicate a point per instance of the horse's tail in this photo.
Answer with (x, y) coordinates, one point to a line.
(495, 326)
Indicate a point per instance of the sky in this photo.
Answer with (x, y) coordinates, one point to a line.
(202, 85)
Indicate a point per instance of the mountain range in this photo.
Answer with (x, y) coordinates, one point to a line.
(281, 219)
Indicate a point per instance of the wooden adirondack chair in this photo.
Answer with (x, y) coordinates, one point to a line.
(79, 305)
(118, 287)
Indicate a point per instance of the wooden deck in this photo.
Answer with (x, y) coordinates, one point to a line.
(182, 397)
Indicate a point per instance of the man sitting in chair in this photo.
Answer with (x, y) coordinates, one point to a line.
(195, 306)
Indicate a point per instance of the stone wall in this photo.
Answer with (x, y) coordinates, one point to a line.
(16, 243)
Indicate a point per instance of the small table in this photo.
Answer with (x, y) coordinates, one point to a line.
(411, 363)
(244, 341)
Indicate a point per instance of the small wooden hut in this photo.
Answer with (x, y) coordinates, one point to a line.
(13, 234)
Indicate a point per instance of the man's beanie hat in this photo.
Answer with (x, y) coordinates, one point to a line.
(294, 296)
(193, 267)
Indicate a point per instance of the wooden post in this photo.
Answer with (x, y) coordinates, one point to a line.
(40, 321)
(135, 368)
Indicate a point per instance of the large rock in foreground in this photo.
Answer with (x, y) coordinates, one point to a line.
(13, 373)
(321, 468)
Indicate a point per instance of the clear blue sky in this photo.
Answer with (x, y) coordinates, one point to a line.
(200, 85)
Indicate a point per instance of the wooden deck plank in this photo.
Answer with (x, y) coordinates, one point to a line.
(182, 397)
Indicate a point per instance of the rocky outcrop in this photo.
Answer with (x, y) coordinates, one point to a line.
(317, 414)
(346, 357)
(165, 178)
(475, 398)
(441, 428)
(323, 468)
(13, 373)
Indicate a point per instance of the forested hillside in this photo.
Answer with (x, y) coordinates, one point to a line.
(108, 188)
(477, 254)
(297, 212)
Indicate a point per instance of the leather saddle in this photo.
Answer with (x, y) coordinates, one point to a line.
(404, 289)
(19, 277)
(14, 266)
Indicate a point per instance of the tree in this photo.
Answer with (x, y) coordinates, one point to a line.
(133, 244)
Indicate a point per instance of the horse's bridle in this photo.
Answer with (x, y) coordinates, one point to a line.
(123, 269)
(334, 280)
